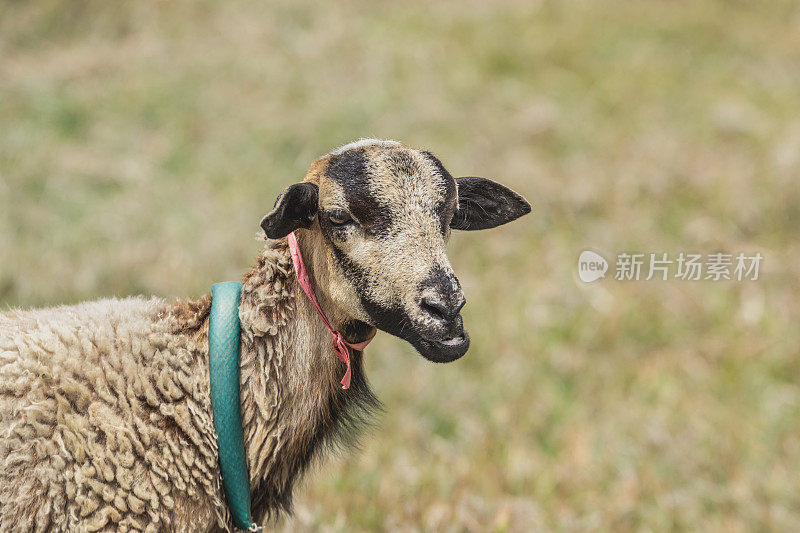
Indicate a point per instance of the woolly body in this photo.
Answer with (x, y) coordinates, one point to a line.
(105, 417)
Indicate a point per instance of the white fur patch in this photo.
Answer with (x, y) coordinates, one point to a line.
(363, 143)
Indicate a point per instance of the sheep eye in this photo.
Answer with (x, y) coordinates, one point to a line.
(339, 217)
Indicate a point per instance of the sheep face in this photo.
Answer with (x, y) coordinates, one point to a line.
(379, 215)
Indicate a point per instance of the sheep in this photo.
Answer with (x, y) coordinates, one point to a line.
(105, 412)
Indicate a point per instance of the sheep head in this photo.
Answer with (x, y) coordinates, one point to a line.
(377, 216)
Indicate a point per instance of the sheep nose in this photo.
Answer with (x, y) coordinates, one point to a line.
(441, 310)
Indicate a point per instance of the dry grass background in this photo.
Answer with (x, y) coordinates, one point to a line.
(141, 142)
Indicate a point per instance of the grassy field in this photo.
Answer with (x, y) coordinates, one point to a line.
(141, 142)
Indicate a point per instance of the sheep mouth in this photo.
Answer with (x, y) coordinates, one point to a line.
(443, 350)
(454, 341)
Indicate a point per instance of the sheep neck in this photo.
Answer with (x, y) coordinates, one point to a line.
(292, 402)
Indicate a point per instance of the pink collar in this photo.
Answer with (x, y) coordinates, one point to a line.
(340, 345)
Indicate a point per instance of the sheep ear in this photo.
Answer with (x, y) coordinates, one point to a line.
(484, 204)
(294, 208)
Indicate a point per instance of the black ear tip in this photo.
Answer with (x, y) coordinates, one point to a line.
(520, 210)
(265, 223)
(526, 206)
(522, 207)
(268, 225)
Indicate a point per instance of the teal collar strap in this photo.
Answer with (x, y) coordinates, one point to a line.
(223, 368)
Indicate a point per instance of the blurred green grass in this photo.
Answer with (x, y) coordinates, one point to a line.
(140, 143)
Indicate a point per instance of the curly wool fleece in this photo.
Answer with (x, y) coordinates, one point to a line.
(105, 414)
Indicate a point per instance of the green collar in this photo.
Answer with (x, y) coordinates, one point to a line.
(223, 369)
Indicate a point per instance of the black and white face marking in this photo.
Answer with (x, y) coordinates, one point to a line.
(385, 212)
(392, 252)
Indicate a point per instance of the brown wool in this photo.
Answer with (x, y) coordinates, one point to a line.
(105, 417)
